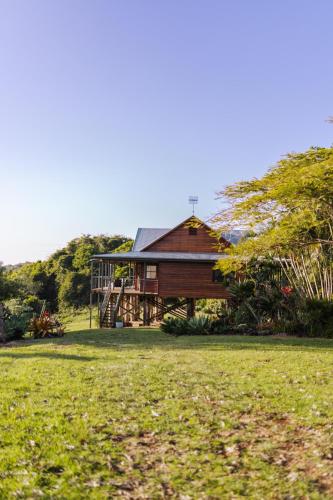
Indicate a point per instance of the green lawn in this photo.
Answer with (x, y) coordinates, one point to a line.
(139, 414)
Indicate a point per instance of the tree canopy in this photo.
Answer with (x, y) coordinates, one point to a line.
(7, 287)
(288, 215)
(64, 278)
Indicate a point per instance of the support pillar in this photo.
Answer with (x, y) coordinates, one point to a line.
(146, 315)
(99, 309)
(190, 308)
(161, 306)
(90, 309)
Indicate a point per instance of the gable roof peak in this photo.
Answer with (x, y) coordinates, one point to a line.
(193, 218)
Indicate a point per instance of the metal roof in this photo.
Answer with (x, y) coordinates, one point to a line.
(146, 235)
(234, 235)
(161, 256)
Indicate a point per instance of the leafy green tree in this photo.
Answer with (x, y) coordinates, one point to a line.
(74, 289)
(124, 247)
(8, 288)
(37, 279)
(122, 270)
(82, 256)
(62, 263)
(289, 212)
(68, 267)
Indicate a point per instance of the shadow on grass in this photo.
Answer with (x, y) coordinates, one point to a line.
(9, 353)
(130, 338)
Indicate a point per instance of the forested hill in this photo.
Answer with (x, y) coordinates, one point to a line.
(64, 278)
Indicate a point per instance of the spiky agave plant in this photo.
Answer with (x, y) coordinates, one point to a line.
(200, 325)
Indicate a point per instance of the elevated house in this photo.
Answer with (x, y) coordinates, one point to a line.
(165, 272)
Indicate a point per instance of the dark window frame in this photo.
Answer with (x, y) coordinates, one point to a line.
(192, 231)
(150, 272)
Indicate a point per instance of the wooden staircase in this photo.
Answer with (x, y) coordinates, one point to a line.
(109, 309)
(107, 320)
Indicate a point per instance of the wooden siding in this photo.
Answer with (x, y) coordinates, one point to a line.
(188, 280)
(142, 283)
(179, 240)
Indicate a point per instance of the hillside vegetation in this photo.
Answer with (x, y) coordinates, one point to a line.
(63, 280)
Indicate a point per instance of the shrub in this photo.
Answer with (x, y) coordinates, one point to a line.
(310, 318)
(199, 326)
(18, 307)
(200, 304)
(46, 326)
(318, 318)
(33, 302)
(17, 316)
(214, 307)
(15, 327)
(174, 326)
(193, 326)
(222, 325)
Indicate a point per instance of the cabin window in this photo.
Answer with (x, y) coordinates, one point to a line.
(151, 272)
(217, 276)
(192, 231)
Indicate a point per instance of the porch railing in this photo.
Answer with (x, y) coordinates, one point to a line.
(147, 285)
(100, 282)
(105, 283)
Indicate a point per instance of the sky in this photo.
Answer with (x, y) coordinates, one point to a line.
(113, 112)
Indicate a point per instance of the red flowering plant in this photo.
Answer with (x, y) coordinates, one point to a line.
(46, 326)
(287, 290)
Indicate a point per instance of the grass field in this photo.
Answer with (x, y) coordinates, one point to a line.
(138, 414)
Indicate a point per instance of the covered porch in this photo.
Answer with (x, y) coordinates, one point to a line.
(119, 273)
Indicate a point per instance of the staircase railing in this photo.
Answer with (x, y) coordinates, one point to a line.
(105, 303)
(119, 297)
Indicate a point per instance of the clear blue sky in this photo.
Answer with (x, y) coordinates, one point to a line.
(113, 112)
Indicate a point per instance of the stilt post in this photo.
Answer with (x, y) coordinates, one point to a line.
(190, 308)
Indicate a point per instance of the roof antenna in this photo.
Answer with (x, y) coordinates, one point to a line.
(193, 200)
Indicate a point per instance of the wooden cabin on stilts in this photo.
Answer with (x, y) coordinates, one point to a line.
(165, 273)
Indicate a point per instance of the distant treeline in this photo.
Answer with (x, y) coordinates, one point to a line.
(63, 279)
